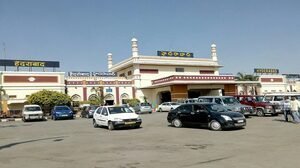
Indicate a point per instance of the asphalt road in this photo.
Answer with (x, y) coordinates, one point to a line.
(265, 142)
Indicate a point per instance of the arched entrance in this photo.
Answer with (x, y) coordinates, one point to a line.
(109, 99)
(75, 101)
(164, 96)
(124, 97)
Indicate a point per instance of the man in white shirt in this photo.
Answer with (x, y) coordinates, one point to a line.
(286, 108)
(295, 105)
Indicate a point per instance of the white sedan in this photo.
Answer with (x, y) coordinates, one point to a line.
(167, 106)
(116, 117)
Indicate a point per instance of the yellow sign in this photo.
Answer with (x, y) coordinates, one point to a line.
(175, 54)
(29, 64)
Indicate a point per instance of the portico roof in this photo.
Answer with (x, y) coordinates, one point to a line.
(191, 79)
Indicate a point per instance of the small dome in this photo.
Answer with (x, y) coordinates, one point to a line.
(213, 45)
(134, 40)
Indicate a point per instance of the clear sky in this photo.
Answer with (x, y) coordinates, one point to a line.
(79, 33)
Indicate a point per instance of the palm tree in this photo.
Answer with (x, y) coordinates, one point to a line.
(247, 77)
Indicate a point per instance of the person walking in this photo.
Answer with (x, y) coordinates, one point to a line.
(286, 108)
(295, 105)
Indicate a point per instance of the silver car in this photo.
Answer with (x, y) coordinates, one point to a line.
(142, 108)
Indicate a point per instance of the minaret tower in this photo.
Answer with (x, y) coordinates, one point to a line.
(213, 50)
(109, 61)
(134, 47)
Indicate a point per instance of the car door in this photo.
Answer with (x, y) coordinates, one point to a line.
(104, 117)
(164, 107)
(168, 107)
(201, 115)
(97, 115)
(184, 113)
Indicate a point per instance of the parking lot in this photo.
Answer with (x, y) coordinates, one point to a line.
(265, 142)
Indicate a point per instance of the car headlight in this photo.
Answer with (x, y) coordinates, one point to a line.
(70, 111)
(139, 118)
(269, 107)
(118, 119)
(237, 109)
(227, 118)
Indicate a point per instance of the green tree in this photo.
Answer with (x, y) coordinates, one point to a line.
(47, 99)
(132, 102)
(247, 77)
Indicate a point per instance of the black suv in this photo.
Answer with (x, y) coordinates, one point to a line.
(211, 115)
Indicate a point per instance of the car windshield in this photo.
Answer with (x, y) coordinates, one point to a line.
(62, 108)
(174, 103)
(117, 110)
(230, 100)
(145, 104)
(216, 108)
(259, 98)
(206, 100)
(32, 109)
(93, 107)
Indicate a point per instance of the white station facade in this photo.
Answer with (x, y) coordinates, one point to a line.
(167, 76)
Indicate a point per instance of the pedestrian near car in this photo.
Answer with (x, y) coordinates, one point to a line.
(295, 104)
(286, 108)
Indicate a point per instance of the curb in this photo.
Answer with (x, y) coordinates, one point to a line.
(20, 119)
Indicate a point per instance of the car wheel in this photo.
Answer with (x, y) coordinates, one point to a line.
(260, 113)
(177, 123)
(137, 126)
(95, 124)
(159, 110)
(215, 125)
(110, 126)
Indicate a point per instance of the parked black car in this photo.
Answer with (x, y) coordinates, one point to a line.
(88, 111)
(211, 115)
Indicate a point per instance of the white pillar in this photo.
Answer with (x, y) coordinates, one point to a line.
(134, 47)
(109, 61)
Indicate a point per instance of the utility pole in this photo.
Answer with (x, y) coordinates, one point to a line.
(4, 54)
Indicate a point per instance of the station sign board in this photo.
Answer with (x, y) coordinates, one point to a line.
(292, 76)
(175, 54)
(266, 71)
(91, 74)
(29, 63)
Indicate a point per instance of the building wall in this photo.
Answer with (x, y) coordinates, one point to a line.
(19, 85)
(273, 83)
(165, 71)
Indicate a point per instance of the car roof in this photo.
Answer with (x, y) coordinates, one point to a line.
(61, 106)
(31, 105)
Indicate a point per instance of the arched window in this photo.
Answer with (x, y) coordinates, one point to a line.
(76, 97)
(109, 97)
(93, 97)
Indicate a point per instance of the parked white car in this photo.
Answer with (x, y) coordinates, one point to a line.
(116, 117)
(32, 112)
(167, 106)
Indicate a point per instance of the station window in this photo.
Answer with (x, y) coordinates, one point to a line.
(179, 69)
(122, 75)
(129, 73)
(12, 96)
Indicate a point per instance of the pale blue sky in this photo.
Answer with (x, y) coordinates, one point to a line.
(79, 33)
